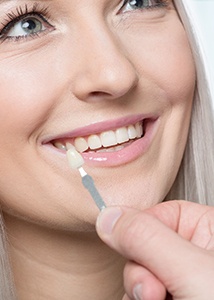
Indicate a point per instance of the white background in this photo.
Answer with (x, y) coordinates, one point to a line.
(203, 11)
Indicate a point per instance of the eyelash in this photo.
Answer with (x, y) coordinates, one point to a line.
(160, 4)
(18, 14)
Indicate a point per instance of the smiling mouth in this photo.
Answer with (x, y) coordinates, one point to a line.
(107, 141)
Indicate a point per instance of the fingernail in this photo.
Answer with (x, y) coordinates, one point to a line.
(107, 219)
(137, 292)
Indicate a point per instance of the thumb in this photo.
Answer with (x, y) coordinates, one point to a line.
(144, 239)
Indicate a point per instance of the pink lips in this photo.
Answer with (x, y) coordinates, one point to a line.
(129, 153)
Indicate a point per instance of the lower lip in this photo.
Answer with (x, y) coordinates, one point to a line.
(129, 153)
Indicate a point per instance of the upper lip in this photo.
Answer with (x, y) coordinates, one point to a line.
(99, 127)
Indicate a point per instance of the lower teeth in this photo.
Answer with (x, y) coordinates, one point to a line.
(110, 149)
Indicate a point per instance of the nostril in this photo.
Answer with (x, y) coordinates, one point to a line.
(99, 94)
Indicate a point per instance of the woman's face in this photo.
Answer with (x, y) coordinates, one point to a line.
(90, 73)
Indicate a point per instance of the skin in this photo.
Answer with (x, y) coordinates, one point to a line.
(58, 86)
(184, 266)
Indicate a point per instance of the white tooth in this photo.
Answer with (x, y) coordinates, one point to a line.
(122, 135)
(94, 142)
(80, 144)
(101, 150)
(60, 146)
(132, 132)
(69, 146)
(112, 149)
(139, 129)
(118, 148)
(108, 138)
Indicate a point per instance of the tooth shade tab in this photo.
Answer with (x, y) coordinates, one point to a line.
(75, 159)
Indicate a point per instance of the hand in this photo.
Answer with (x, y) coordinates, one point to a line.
(169, 247)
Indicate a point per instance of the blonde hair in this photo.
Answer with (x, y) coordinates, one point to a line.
(7, 290)
(195, 177)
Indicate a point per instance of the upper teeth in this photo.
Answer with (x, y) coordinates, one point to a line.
(105, 139)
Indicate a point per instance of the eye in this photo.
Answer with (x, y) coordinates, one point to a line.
(25, 22)
(142, 4)
(27, 26)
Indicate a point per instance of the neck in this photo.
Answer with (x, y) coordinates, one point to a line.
(51, 265)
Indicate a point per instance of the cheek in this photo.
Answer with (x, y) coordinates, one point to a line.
(27, 99)
(163, 59)
(175, 72)
(163, 56)
(28, 94)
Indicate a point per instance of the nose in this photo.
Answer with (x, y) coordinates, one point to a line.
(103, 70)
